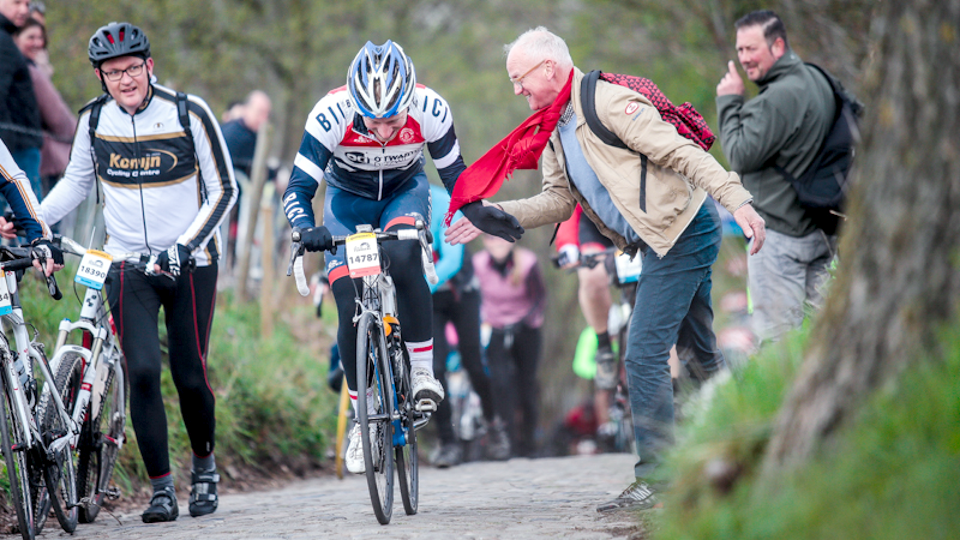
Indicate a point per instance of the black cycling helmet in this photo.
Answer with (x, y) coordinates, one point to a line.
(115, 40)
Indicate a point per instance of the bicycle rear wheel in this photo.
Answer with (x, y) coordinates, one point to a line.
(100, 439)
(408, 464)
(374, 412)
(59, 471)
(15, 458)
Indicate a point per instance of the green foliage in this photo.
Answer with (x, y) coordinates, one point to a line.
(893, 474)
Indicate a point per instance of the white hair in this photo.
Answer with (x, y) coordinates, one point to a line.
(542, 44)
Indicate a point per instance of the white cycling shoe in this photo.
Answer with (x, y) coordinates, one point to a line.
(427, 390)
(354, 457)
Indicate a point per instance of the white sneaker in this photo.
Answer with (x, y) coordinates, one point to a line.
(426, 386)
(354, 457)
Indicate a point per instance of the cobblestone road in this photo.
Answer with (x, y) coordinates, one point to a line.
(520, 498)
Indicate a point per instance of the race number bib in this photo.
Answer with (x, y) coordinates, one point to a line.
(628, 270)
(93, 269)
(363, 255)
(5, 305)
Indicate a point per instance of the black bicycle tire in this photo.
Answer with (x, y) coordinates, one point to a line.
(408, 461)
(97, 450)
(15, 461)
(371, 354)
(68, 381)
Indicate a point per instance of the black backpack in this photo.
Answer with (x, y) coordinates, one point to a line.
(822, 188)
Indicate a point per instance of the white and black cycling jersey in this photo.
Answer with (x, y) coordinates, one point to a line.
(337, 147)
(153, 195)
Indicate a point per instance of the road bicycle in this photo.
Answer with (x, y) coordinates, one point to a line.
(616, 435)
(40, 471)
(92, 374)
(388, 416)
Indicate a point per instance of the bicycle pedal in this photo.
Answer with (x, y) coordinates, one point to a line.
(112, 493)
(426, 405)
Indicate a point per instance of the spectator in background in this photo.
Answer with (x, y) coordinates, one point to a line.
(38, 12)
(513, 305)
(233, 111)
(456, 299)
(58, 121)
(19, 114)
(784, 126)
(240, 134)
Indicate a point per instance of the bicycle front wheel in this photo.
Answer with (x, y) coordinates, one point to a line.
(375, 410)
(59, 471)
(408, 464)
(15, 458)
(100, 439)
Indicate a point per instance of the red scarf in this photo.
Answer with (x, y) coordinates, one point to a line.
(520, 149)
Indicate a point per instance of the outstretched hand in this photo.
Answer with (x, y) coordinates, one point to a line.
(486, 218)
(753, 226)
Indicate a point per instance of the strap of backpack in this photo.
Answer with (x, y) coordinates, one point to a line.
(95, 107)
(184, 115)
(588, 101)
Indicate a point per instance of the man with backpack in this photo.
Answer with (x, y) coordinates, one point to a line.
(649, 197)
(159, 162)
(770, 139)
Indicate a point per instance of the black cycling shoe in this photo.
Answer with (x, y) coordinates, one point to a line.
(203, 494)
(163, 507)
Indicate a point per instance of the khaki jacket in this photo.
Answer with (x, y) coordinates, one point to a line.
(674, 180)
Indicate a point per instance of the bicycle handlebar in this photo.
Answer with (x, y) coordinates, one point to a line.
(23, 259)
(420, 232)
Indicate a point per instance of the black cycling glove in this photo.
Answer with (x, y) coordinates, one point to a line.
(492, 220)
(316, 239)
(43, 249)
(176, 260)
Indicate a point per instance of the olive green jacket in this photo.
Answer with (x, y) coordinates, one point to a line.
(784, 125)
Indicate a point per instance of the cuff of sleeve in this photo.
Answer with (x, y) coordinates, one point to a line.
(744, 203)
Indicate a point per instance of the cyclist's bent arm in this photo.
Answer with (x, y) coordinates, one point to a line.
(15, 187)
(216, 171)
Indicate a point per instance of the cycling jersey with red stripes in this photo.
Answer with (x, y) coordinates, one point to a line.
(338, 148)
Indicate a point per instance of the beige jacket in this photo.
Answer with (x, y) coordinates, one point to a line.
(678, 175)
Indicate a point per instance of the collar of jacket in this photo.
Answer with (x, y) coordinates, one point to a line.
(788, 62)
(7, 25)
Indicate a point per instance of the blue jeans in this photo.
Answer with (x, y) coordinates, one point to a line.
(28, 159)
(673, 307)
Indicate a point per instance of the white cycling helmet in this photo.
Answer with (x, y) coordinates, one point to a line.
(381, 80)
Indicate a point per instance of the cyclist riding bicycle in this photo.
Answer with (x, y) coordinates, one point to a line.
(15, 188)
(167, 184)
(366, 140)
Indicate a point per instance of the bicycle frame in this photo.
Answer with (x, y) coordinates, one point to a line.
(26, 353)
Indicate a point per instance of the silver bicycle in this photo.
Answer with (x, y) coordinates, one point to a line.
(40, 472)
(391, 418)
(91, 372)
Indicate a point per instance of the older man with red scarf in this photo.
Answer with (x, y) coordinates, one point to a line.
(650, 198)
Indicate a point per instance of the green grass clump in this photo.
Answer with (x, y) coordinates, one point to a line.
(893, 473)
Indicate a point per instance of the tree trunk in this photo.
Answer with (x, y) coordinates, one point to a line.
(899, 281)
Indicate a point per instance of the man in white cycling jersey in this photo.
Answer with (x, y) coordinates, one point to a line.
(366, 141)
(167, 183)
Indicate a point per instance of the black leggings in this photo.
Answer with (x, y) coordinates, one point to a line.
(414, 302)
(513, 355)
(463, 309)
(188, 305)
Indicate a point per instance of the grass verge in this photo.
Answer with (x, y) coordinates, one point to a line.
(892, 474)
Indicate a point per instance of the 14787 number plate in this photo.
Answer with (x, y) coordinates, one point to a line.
(363, 256)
